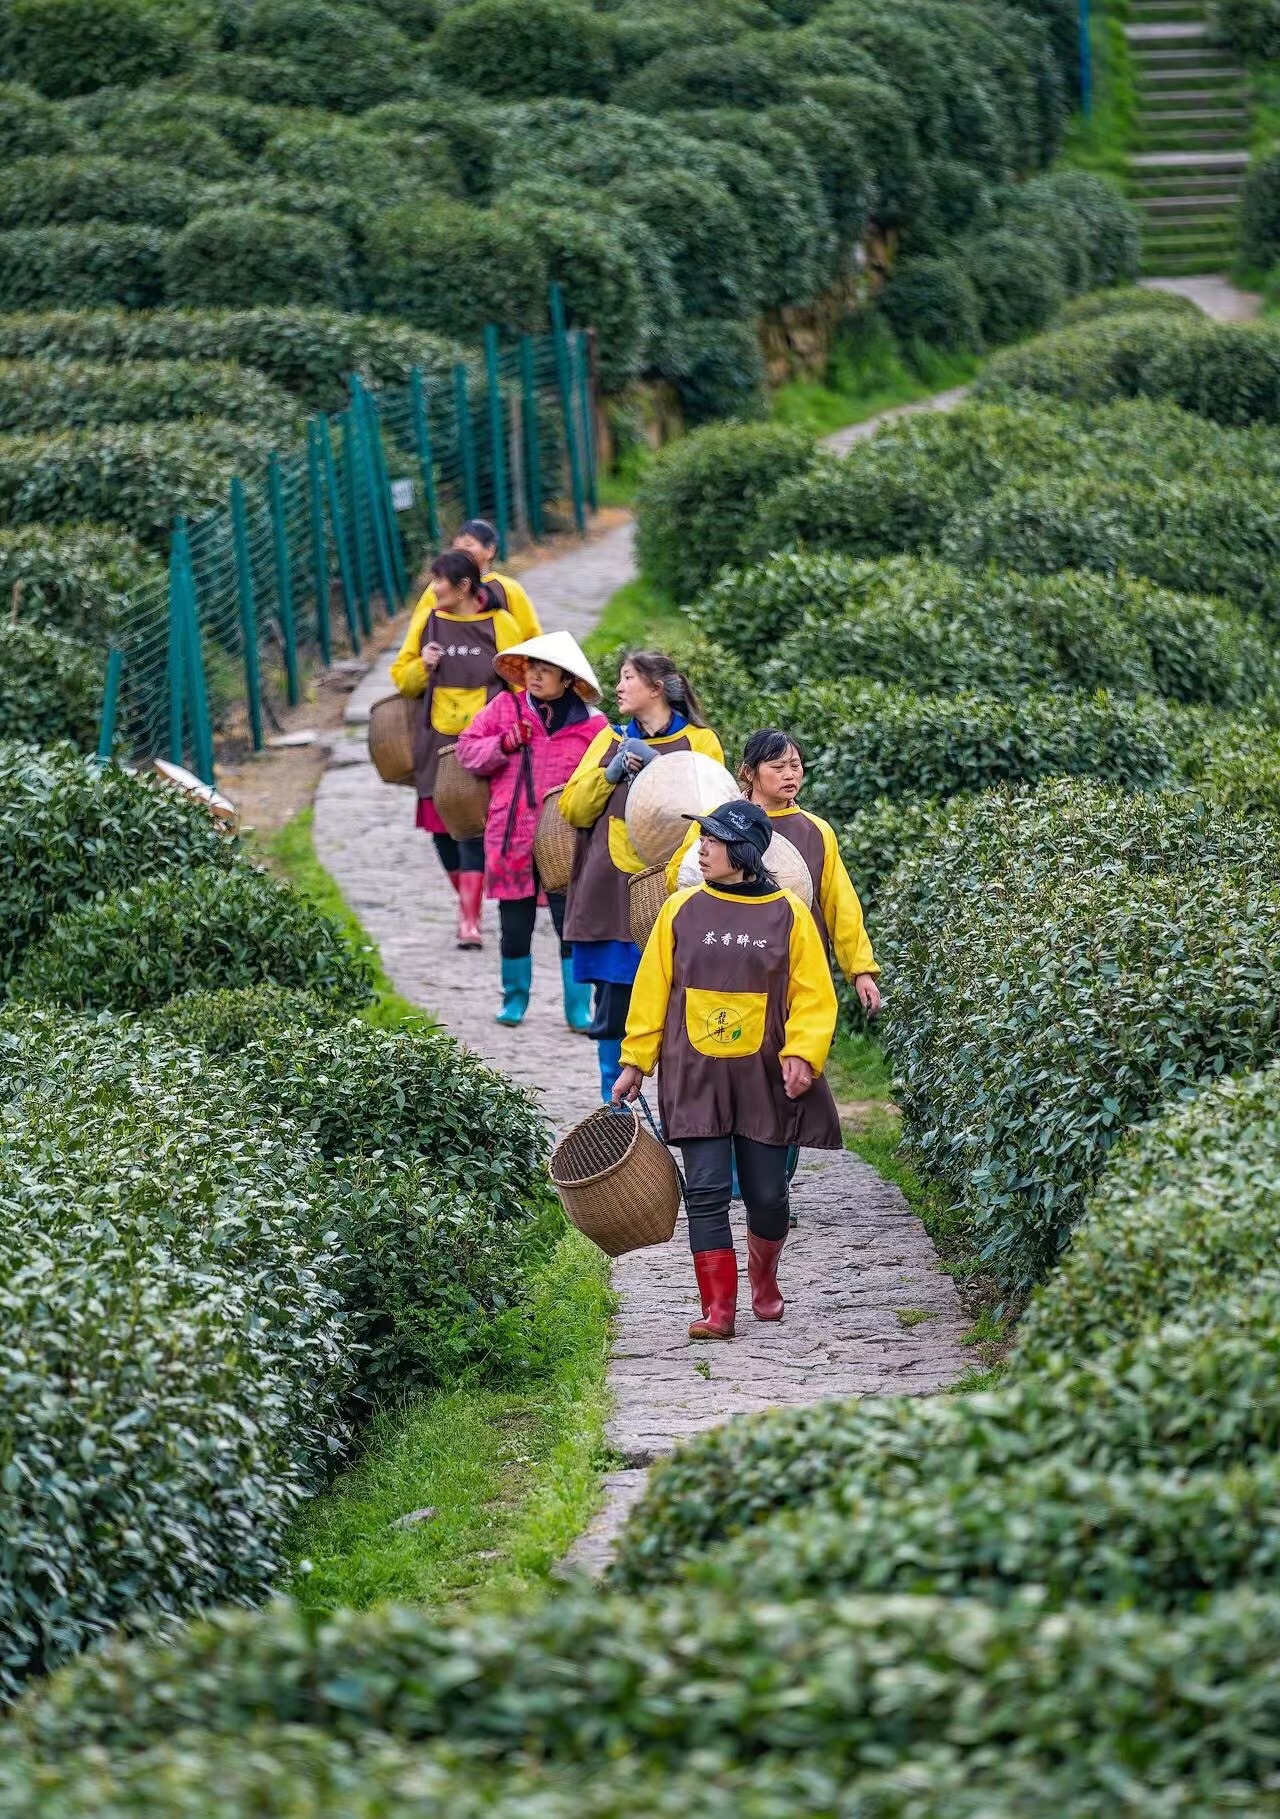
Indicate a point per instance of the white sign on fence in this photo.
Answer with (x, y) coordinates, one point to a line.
(403, 495)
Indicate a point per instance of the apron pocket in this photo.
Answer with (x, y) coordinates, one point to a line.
(453, 709)
(725, 1023)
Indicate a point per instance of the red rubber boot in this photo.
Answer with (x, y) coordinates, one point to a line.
(717, 1273)
(470, 899)
(762, 1272)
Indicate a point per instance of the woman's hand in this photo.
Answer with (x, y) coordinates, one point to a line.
(637, 754)
(626, 1088)
(516, 736)
(432, 653)
(868, 994)
(797, 1077)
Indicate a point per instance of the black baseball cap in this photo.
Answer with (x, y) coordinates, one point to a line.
(737, 821)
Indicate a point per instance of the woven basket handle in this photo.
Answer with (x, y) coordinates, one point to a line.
(644, 1107)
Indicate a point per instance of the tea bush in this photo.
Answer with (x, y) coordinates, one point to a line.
(526, 47)
(392, 166)
(1260, 211)
(1017, 278)
(70, 47)
(227, 1020)
(71, 831)
(53, 192)
(82, 266)
(496, 266)
(50, 687)
(175, 934)
(242, 258)
(872, 739)
(934, 301)
(338, 55)
(1184, 1214)
(307, 351)
(138, 475)
(175, 142)
(698, 500)
(718, 371)
(1128, 939)
(37, 394)
(705, 233)
(79, 579)
(1129, 300)
(31, 126)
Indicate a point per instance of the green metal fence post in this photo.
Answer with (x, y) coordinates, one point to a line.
(365, 427)
(110, 703)
(356, 513)
(319, 547)
(587, 411)
(422, 441)
(176, 655)
(395, 537)
(284, 579)
(201, 723)
(497, 435)
(248, 611)
(466, 442)
(529, 424)
(565, 374)
(324, 443)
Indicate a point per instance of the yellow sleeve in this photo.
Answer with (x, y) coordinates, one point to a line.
(702, 739)
(409, 672)
(506, 631)
(842, 911)
(811, 997)
(674, 864)
(583, 797)
(520, 607)
(651, 992)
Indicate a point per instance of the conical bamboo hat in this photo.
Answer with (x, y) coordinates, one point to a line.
(560, 648)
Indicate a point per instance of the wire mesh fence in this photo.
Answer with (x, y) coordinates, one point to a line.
(307, 551)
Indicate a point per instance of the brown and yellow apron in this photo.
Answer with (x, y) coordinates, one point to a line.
(604, 860)
(459, 686)
(806, 836)
(721, 1072)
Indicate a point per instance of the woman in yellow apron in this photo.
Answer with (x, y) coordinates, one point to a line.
(659, 713)
(734, 993)
(447, 661)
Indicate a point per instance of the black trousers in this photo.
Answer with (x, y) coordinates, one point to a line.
(762, 1182)
(460, 855)
(517, 915)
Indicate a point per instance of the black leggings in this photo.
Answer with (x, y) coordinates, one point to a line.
(460, 855)
(517, 916)
(762, 1182)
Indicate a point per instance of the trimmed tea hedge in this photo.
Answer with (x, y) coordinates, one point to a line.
(82, 266)
(1129, 936)
(56, 192)
(81, 579)
(50, 687)
(176, 934)
(71, 831)
(37, 394)
(243, 258)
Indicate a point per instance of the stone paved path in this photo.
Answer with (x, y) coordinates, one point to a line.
(858, 1259)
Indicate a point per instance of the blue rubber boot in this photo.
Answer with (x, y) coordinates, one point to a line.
(577, 1000)
(610, 1066)
(517, 982)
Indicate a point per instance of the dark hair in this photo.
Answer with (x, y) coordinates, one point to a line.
(456, 566)
(743, 857)
(481, 530)
(766, 747)
(660, 672)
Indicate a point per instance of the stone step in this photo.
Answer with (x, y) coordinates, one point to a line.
(1188, 138)
(1165, 34)
(1152, 60)
(1183, 183)
(1175, 160)
(1168, 208)
(1159, 76)
(1160, 228)
(1193, 115)
(1222, 101)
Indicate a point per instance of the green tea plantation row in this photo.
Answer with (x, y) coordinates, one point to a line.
(238, 1216)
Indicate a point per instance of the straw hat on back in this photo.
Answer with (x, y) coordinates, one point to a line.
(560, 648)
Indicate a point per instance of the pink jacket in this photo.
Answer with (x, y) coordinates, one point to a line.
(554, 758)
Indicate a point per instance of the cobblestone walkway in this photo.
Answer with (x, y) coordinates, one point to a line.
(869, 1310)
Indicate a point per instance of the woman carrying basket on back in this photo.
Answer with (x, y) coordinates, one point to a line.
(735, 995)
(447, 660)
(526, 743)
(660, 714)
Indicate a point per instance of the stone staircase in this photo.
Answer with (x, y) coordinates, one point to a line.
(1190, 148)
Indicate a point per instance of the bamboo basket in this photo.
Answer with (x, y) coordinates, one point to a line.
(461, 798)
(391, 724)
(648, 893)
(553, 845)
(617, 1183)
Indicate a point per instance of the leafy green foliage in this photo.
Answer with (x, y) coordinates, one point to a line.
(1129, 936)
(934, 301)
(50, 687)
(31, 126)
(699, 499)
(718, 371)
(80, 579)
(244, 258)
(35, 394)
(1018, 281)
(174, 934)
(338, 55)
(71, 831)
(493, 260)
(525, 47)
(49, 192)
(69, 47)
(82, 266)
